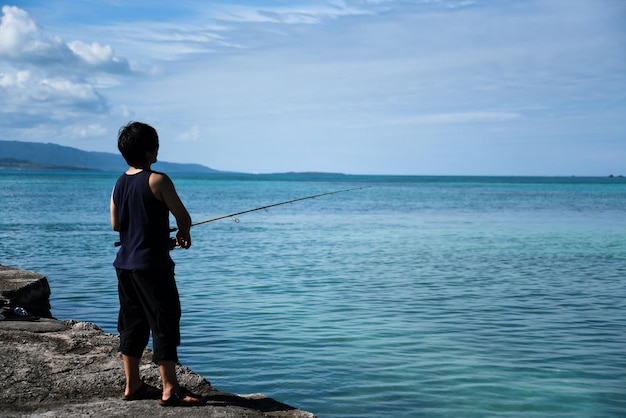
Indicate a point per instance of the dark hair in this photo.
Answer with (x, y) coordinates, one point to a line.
(136, 139)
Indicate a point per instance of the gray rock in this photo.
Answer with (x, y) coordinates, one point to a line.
(53, 368)
(26, 289)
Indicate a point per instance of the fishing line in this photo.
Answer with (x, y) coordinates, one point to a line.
(233, 216)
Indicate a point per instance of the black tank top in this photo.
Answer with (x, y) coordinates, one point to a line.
(144, 225)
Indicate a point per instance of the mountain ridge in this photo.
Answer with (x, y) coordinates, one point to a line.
(35, 155)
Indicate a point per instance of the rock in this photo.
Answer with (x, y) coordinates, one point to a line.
(25, 289)
(53, 368)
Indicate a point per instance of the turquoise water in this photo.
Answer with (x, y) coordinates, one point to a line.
(415, 297)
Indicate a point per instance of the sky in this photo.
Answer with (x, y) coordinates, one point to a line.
(422, 87)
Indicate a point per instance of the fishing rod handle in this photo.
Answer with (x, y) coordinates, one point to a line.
(172, 243)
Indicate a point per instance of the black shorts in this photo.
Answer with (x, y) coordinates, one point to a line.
(149, 301)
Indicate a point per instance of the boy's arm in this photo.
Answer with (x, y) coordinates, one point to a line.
(114, 220)
(163, 189)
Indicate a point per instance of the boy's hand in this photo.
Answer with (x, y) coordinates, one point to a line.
(183, 240)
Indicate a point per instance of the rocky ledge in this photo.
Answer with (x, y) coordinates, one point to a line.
(53, 368)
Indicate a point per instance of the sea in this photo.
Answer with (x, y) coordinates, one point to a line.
(409, 296)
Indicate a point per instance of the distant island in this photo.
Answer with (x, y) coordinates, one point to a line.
(18, 155)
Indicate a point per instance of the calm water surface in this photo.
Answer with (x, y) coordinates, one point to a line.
(415, 297)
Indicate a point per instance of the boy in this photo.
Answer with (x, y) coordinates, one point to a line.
(140, 205)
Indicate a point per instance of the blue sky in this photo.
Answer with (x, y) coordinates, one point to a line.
(433, 87)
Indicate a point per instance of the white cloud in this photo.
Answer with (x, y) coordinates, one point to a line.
(22, 86)
(86, 131)
(98, 56)
(18, 32)
(292, 15)
(63, 90)
(15, 80)
(22, 42)
(28, 92)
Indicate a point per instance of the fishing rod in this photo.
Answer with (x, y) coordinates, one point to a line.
(234, 215)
